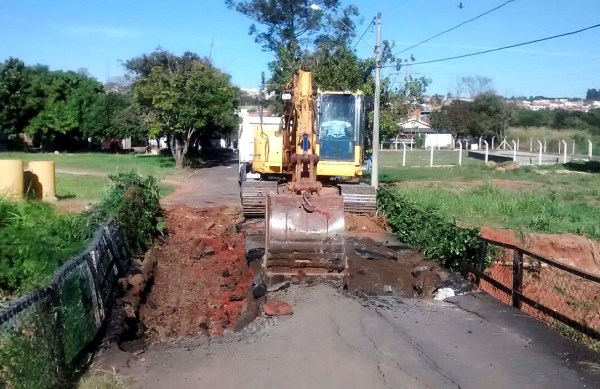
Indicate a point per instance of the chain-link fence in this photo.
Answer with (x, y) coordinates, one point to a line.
(560, 295)
(45, 334)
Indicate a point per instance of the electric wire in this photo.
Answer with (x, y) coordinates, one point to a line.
(503, 47)
(455, 27)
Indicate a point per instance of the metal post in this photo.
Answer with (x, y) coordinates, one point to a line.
(431, 157)
(459, 153)
(590, 149)
(564, 142)
(531, 145)
(540, 153)
(504, 144)
(518, 145)
(559, 146)
(514, 150)
(493, 137)
(375, 171)
(486, 150)
(545, 146)
(573, 150)
(517, 286)
(403, 153)
(480, 143)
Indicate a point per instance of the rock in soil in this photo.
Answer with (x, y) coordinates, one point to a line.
(279, 286)
(277, 308)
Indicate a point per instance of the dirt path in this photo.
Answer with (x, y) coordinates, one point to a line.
(333, 339)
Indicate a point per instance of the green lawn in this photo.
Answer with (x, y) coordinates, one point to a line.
(550, 200)
(393, 158)
(82, 177)
(156, 165)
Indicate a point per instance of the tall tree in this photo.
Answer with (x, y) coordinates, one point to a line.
(13, 97)
(474, 85)
(67, 99)
(292, 29)
(184, 98)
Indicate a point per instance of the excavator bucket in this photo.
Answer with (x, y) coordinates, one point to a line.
(305, 240)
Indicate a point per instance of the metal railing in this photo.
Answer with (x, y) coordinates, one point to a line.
(540, 286)
(44, 335)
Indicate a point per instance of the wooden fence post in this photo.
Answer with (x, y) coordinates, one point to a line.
(517, 285)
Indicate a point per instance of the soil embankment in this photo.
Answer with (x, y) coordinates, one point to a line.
(201, 280)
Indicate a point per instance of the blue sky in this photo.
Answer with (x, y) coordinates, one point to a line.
(97, 34)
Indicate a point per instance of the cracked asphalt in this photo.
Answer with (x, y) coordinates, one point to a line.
(334, 340)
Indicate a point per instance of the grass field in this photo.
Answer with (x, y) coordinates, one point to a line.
(550, 200)
(393, 158)
(82, 177)
(156, 165)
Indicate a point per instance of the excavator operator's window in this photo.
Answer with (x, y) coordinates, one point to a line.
(337, 129)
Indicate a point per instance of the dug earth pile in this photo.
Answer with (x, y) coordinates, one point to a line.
(205, 269)
(202, 281)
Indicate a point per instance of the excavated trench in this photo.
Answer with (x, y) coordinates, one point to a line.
(198, 279)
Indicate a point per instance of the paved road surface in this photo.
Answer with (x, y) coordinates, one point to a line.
(206, 187)
(340, 341)
(336, 341)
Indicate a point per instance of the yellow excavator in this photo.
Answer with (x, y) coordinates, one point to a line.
(310, 169)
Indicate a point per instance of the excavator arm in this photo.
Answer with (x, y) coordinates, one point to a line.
(305, 228)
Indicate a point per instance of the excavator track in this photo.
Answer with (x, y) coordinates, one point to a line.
(254, 194)
(359, 198)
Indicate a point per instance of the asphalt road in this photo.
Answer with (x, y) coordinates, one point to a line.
(338, 340)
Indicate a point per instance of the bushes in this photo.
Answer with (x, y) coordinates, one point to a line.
(133, 200)
(35, 239)
(452, 246)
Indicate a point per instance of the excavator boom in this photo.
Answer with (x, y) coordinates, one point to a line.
(305, 227)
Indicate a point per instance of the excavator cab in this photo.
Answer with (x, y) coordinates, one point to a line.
(340, 118)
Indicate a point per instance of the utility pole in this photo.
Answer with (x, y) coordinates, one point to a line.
(375, 167)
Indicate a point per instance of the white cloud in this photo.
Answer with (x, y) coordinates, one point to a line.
(100, 32)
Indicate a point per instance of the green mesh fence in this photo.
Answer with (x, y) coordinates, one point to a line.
(44, 335)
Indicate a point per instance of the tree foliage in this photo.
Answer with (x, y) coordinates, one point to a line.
(60, 109)
(560, 119)
(318, 39)
(183, 98)
(593, 94)
(487, 115)
(13, 99)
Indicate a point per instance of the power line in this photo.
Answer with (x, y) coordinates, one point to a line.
(355, 34)
(504, 47)
(363, 34)
(455, 27)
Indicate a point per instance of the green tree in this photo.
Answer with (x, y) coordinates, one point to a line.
(184, 99)
(13, 97)
(292, 29)
(487, 115)
(67, 102)
(114, 116)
